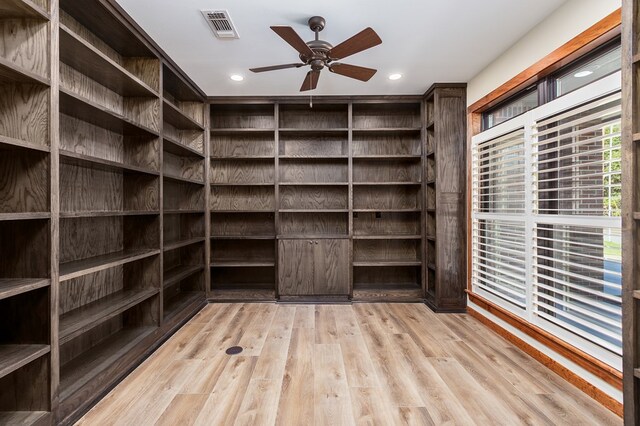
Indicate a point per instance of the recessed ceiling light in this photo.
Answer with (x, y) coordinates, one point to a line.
(395, 76)
(236, 77)
(584, 73)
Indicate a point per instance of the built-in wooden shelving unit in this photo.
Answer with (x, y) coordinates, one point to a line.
(184, 185)
(445, 197)
(25, 212)
(242, 201)
(102, 209)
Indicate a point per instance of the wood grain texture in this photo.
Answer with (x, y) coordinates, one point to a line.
(24, 181)
(330, 266)
(242, 198)
(182, 196)
(24, 113)
(186, 167)
(386, 144)
(316, 171)
(313, 197)
(392, 224)
(296, 267)
(242, 145)
(24, 43)
(26, 245)
(386, 250)
(242, 224)
(304, 145)
(370, 197)
(321, 116)
(313, 224)
(242, 117)
(243, 250)
(368, 116)
(385, 171)
(242, 171)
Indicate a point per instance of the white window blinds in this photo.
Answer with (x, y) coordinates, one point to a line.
(546, 217)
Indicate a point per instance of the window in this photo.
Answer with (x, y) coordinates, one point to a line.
(546, 217)
(512, 107)
(604, 61)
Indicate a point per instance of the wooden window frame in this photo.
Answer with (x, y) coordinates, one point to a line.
(589, 40)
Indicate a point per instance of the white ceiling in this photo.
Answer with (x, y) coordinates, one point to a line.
(426, 41)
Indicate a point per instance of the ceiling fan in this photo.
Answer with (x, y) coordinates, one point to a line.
(319, 53)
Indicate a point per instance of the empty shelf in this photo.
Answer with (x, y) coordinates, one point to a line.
(90, 265)
(13, 357)
(14, 286)
(177, 274)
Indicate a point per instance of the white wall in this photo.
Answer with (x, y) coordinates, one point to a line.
(569, 20)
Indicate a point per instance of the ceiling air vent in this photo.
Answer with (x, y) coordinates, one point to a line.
(221, 24)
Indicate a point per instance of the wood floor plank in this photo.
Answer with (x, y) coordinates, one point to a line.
(305, 316)
(444, 406)
(260, 404)
(370, 409)
(364, 364)
(331, 391)
(223, 404)
(183, 410)
(325, 325)
(296, 405)
(392, 377)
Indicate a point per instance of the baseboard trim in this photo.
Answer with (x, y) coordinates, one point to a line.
(607, 401)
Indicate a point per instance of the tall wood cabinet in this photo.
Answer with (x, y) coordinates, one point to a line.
(97, 167)
(445, 197)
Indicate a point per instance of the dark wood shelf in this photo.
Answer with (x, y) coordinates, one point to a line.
(385, 183)
(7, 142)
(70, 157)
(22, 9)
(182, 243)
(232, 294)
(13, 286)
(87, 59)
(389, 130)
(96, 213)
(386, 210)
(178, 119)
(311, 236)
(86, 110)
(240, 130)
(430, 125)
(183, 211)
(243, 157)
(387, 237)
(78, 321)
(242, 183)
(179, 273)
(175, 147)
(313, 183)
(78, 268)
(409, 157)
(314, 210)
(12, 357)
(12, 73)
(84, 368)
(313, 157)
(183, 179)
(306, 131)
(25, 417)
(243, 237)
(242, 211)
(181, 301)
(25, 216)
(387, 263)
(241, 264)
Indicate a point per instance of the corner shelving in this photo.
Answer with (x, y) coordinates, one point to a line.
(25, 212)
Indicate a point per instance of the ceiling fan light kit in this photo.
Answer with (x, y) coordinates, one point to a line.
(318, 54)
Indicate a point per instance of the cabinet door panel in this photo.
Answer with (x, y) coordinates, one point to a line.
(331, 266)
(295, 267)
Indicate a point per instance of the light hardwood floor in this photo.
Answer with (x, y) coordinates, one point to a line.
(378, 364)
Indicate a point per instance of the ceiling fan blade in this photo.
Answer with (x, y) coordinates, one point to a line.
(311, 81)
(353, 71)
(289, 35)
(364, 40)
(276, 67)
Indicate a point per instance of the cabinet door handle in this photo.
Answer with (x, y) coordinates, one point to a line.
(316, 242)
(310, 242)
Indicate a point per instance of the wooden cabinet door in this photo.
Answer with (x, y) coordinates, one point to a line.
(331, 266)
(295, 267)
